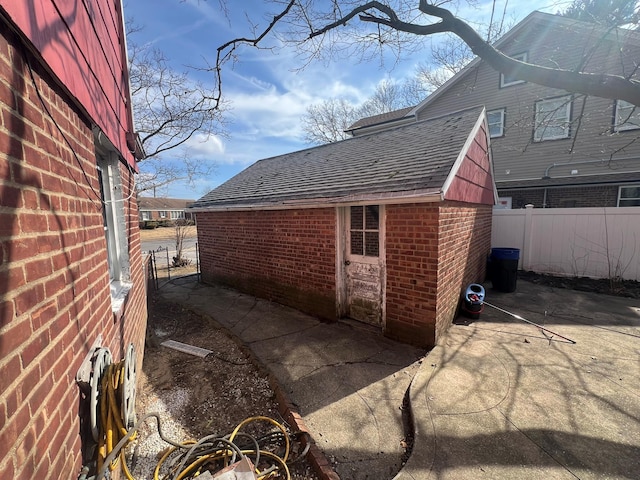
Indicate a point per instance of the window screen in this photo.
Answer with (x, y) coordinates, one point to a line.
(365, 229)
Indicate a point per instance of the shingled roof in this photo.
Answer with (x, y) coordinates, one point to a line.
(380, 119)
(161, 203)
(409, 160)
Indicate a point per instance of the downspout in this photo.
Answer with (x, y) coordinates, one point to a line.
(584, 162)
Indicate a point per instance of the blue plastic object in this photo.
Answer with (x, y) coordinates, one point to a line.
(505, 253)
(474, 294)
(473, 301)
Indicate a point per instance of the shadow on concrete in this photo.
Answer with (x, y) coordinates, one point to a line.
(497, 397)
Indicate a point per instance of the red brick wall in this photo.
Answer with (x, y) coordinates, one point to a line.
(53, 272)
(433, 250)
(412, 266)
(287, 256)
(464, 243)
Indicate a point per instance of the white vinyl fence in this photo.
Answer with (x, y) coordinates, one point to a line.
(583, 242)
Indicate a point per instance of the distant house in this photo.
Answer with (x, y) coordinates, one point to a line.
(384, 228)
(550, 148)
(71, 270)
(161, 209)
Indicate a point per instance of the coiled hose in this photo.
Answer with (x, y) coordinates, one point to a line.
(270, 453)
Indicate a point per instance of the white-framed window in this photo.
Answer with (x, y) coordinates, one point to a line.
(365, 230)
(506, 80)
(176, 214)
(629, 196)
(145, 215)
(495, 119)
(113, 216)
(627, 116)
(162, 214)
(552, 119)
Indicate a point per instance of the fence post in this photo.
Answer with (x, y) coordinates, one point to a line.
(528, 233)
(197, 263)
(168, 266)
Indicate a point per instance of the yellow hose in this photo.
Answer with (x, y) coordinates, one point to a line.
(269, 420)
(112, 428)
(113, 431)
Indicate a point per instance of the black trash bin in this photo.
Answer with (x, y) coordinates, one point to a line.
(503, 269)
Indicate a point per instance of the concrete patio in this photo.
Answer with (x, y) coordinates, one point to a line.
(497, 398)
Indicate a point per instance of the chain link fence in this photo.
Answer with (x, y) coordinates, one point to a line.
(164, 264)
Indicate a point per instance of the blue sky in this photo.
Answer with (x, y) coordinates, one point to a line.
(267, 91)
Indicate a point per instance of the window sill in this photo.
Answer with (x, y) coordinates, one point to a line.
(626, 129)
(553, 139)
(119, 293)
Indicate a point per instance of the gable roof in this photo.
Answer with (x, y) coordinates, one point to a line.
(412, 161)
(160, 203)
(381, 118)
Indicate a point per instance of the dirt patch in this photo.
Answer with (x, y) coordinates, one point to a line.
(219, 391)
(164, 273)
(620, 288)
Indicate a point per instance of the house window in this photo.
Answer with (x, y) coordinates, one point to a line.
(175, 215)
(552, 119)
(629, 196)
(162, 214)
(145, 215)
(365, 229)
(113, 217)
(495, 118)
(506, 80)
(627, 116)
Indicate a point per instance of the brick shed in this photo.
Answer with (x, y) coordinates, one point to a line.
(385, 228)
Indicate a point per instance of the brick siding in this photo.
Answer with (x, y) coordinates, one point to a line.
(464, 243)
(287, 256)
(412, 267)
(433, 251)
(53, 272)
(564, 197)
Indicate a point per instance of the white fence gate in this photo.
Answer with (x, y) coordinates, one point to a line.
(583, 242)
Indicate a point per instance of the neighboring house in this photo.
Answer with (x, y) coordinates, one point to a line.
(161, 209)
(71, 269)
(550, 148)
(384, 228)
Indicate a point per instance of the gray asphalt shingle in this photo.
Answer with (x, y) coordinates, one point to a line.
(408, 158)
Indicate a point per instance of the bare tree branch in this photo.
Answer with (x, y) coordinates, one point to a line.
(169, 109)
(602, 84)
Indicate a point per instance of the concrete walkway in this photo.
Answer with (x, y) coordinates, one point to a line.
(347, 382)
(495, 399)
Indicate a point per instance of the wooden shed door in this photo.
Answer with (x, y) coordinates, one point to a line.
(364, 265)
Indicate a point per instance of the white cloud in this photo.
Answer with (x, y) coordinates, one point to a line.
(208, 12)
(205, 147)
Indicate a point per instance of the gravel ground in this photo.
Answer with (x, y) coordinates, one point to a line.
(197, 396)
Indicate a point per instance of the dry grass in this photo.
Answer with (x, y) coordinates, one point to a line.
(164, 233)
